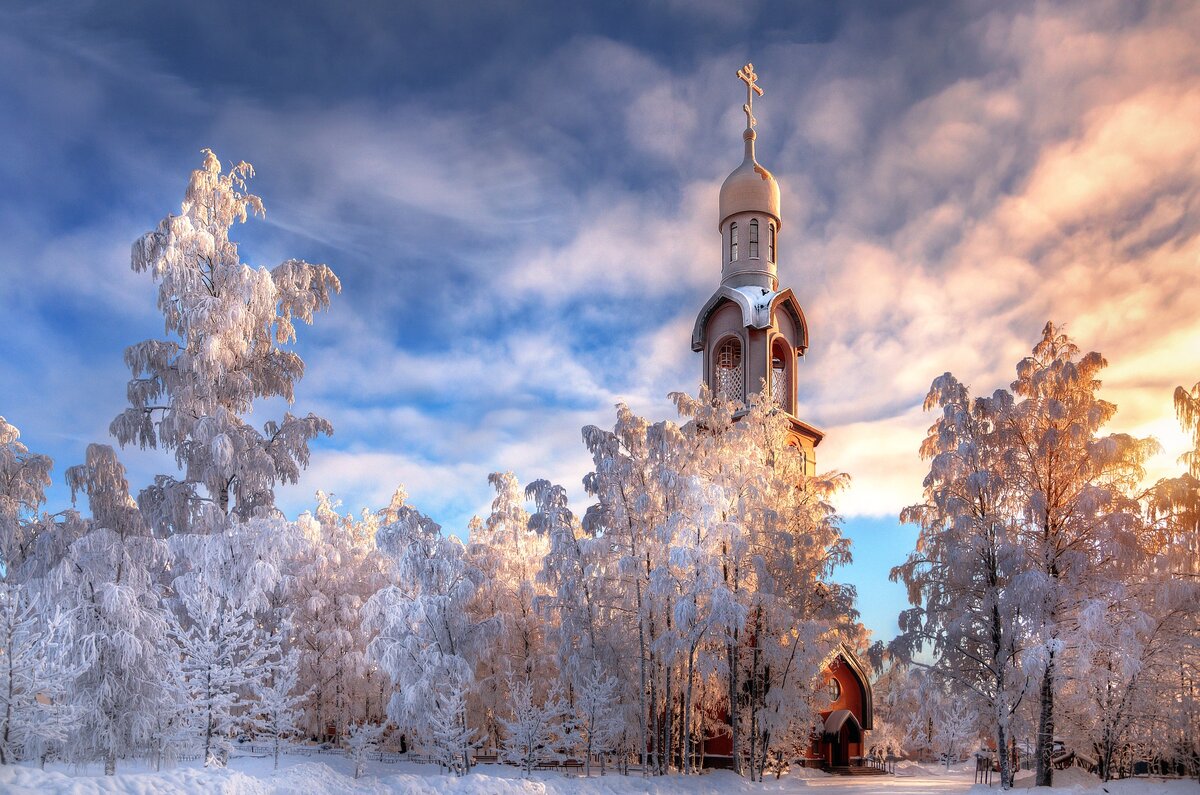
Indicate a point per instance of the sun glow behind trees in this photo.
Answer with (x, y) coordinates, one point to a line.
(1048, 586)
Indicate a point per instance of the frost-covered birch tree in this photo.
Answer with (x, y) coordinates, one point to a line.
(361, 740)
(533, 734)
(768, 568)
(598, 718)
(223, 623)
(427, 641)
(509, 556)
(624, 515)
(227, 326)
(221, 655)
(335, 569)
(37, 664)
(1034, 547)
(967, 614)
(24, 477)
(1079, 518)
(109, 578)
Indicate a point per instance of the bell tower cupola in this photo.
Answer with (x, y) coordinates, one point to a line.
(749, 209)
(751, 332)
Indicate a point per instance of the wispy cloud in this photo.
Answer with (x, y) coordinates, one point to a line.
(525, 232)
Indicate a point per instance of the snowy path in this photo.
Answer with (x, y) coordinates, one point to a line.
(331, 775)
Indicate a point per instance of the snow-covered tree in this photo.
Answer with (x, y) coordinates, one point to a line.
(36, 668)
(509, 556)
(362, 739)
(955, 729)
(221, 656)
(598, 718)
(1037, 572)
(534, 733)
(716, 537)
(227, 324)
(1177, 503)
(223, 623)
(967, 614)
(333, 572)
(765, 568)
(1128, 644)
(427, 641)
(627, 514)
(108, 580)
(448, 736)
(278, 708)
(1080, 521)
(24, 477)
(173, 731)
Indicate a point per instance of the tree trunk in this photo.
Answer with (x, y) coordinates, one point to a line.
(734, 739)
(1006, 775)
(755, 678)
(1045, 737)
(643, 716)
(668, 713)
(687, 713)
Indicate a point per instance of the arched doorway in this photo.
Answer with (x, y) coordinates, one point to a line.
(841, 729)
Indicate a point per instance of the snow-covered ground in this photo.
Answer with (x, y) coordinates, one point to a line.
(298, 775)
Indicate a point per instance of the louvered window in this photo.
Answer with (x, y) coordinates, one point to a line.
(779, 382)
(729, 381)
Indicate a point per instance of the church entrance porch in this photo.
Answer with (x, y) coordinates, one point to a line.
(842, 737)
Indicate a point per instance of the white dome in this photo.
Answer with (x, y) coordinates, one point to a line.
(750, 188)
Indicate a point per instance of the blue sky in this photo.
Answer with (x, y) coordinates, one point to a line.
(520, 200)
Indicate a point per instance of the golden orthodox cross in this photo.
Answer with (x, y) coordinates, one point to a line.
(746, 75)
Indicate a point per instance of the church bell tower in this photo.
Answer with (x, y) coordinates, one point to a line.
(750, 332)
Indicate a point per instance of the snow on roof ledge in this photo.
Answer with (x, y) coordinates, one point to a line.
(838, 718)
(758, 305)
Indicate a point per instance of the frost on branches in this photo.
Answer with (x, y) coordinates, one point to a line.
(427, 641)
(1045, 583)
(24, 477)
(36, 668)
(108, 580)
(534, 733)
(334, 571)
(717, 536)
(361, 740)
(227, 324)
(278, 713)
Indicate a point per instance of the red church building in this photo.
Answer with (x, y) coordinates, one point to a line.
(850, 712)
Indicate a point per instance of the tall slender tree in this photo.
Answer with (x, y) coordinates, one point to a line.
(1080, 519)
(967, 616)
(227, 325)
(109, 578)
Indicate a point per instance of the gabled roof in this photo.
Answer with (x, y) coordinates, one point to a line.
(758, 311)
(852, 662)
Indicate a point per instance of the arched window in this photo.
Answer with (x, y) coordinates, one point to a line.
(771, 242)
(779, 377)
(754, 240)
(732, 242)
(728, 381)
